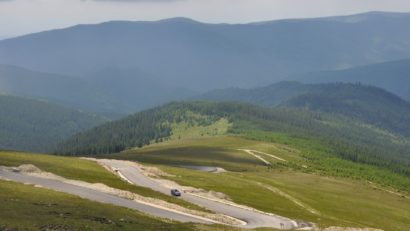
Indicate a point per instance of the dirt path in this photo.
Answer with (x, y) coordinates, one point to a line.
(289, 197)
(267, 154)
(253, 153)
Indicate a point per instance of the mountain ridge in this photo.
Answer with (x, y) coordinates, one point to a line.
(110, 92)
(367, 103)
(392, 76)
(37, 126)
(203, 56)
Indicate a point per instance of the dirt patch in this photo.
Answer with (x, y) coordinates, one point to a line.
(219, 170)
(153, 172)
(28, 168)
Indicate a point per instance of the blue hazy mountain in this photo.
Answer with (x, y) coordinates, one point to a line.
(185, 53)
(393, 76)
(34, 125)
(110, 92)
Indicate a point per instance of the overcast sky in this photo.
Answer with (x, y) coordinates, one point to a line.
(19, 17)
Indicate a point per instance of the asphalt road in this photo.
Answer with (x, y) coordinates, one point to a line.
(253, 219)
(98, 196)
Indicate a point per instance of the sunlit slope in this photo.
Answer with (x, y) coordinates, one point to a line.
(298, 183)
(345, 137)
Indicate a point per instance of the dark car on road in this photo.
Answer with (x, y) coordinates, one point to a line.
(175, 192)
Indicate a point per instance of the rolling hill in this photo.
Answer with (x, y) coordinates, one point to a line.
(37, 126)
(110, 92)
(185, 53)
(270, 96)
(347, 138)
(365, 103)
(61, 89)
(392, 76)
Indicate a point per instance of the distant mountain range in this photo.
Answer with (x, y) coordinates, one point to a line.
(37, 126)
(110, 92)
(393, 76)
(183, 53)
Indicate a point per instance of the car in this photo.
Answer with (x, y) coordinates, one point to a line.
(175, 192)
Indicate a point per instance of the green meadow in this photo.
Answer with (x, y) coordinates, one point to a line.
(298, 188)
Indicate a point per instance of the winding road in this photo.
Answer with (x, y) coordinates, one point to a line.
(253, 219)
(133, 174)
(99, 196)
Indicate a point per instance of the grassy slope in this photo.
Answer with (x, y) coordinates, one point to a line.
(321, 159)
(348, 139)
(186, 130)
(28, 208)
(253, 184)
(55, 209)
(208, 151)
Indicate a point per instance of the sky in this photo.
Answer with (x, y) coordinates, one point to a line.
(18, 17)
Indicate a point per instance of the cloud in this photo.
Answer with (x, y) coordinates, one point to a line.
(134, 1)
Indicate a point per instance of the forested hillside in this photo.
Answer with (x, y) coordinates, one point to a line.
(133, 131)
(37, 126)
(271, 95)
(392, 76)
(348, 138)
(365, 103)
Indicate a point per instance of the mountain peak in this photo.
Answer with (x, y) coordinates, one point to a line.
(178, 20)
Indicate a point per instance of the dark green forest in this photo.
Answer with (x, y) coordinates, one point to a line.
(37, 126)
(361, 102)
(348, 138)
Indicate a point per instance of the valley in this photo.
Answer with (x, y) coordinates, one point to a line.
(162, 115)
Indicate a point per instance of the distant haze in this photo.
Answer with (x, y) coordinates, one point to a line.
(183, 53)
(29, 16)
